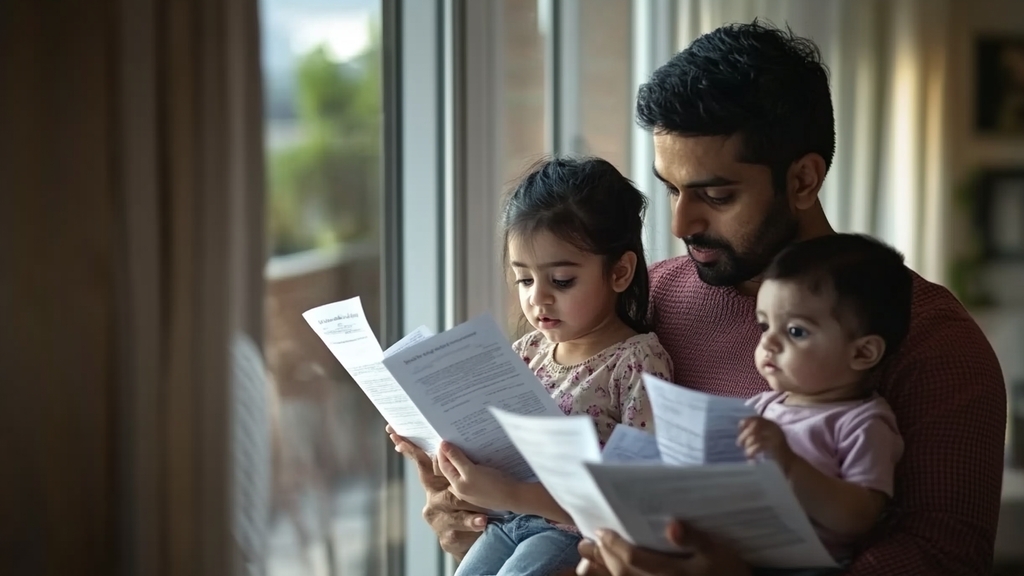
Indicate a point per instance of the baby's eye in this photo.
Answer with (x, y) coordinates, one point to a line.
(525, 281)
(763, 326)
(797, 332)
(563, 283)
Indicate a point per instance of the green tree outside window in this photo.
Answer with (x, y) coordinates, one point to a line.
(324, 189)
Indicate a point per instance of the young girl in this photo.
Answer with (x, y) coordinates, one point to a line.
(573, 240)
(831, 310)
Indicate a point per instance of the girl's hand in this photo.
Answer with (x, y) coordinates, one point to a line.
(479, 485)
(758, 435)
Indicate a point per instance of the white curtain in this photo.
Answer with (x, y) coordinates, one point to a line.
(887, 62)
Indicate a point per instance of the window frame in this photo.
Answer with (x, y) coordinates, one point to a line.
(415, 250)
(477, 271)
(654, 34)
(443, 163)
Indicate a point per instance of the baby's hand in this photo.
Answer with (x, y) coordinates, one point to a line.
(758, 435)
(479, 485)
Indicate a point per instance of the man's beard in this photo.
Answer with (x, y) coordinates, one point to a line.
(778, 229)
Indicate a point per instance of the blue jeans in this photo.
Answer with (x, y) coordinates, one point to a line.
(520, 545)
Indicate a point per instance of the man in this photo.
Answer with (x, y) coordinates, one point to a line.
(743, 135)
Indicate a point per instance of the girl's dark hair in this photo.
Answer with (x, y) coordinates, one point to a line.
(589, 204)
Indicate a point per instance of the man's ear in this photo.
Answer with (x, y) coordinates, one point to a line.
(622, 272)
(866, 352)
(804, 179)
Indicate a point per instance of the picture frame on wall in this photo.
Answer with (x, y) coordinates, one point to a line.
(999, 94)
(1000, 213)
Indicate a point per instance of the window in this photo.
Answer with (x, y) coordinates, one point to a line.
(603, 70)
(523, 81)
(568, 74)
(529, 77)
(322, 97)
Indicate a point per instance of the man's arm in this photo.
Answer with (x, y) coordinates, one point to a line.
(950, 404)
(457, 524)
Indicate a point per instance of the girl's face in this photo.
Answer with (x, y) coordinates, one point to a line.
(565, 293)
(804, 349)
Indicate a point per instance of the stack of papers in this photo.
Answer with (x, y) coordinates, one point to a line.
(690, 470)
(432, 387)
(468, 386)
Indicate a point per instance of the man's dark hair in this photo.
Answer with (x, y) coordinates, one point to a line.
(872, 286)
(762, 83)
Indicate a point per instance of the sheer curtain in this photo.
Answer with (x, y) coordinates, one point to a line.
(188, 136)
(887, 63)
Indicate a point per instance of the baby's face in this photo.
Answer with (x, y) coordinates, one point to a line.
(803, 348)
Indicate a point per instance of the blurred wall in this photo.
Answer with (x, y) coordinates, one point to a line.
(969, 150)
(969, 19)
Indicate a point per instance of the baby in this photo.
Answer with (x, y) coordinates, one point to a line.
(831, 310)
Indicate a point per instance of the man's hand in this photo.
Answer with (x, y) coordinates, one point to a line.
(700, 555)
(457, 523)
(759, 435)
(479, 485)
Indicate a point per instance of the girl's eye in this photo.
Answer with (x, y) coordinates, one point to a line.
(563, 283)
(763, 326)
(524, 281)
(797, 332)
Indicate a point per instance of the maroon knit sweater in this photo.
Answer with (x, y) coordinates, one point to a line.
(945, 386)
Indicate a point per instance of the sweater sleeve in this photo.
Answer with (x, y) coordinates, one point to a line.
(949, 398)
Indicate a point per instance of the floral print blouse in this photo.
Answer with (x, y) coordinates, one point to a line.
(607, 386)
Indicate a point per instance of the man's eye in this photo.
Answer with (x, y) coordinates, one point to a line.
(563, 283)
(718, 198)
(671, 191)
(797, 332)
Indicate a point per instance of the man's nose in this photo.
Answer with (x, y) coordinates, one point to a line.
(688, 217)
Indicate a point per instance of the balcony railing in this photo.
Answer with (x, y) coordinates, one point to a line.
(329, 439)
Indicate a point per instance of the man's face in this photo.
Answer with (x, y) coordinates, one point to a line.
(726, 211)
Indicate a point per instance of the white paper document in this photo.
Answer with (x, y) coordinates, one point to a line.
(752, 505)
(628, 444)
(415, 337)
(557, 450)
(431, 387)
(346, 332)
(693, 427)
(455, 376)
(623, 490)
